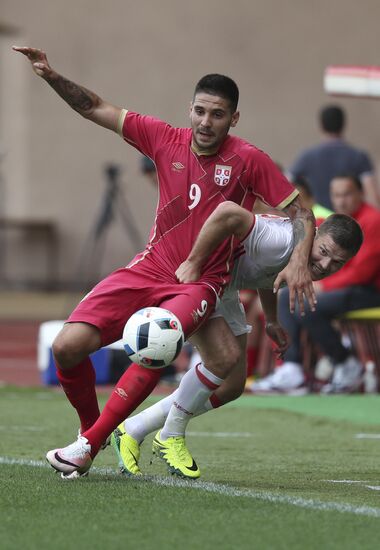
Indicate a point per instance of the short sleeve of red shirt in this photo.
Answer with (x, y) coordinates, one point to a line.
(270, 185)
(145, 133)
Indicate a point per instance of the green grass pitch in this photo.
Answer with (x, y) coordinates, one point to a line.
(277, 473)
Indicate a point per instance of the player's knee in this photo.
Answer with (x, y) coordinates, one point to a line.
(71, 346)
(64, 353)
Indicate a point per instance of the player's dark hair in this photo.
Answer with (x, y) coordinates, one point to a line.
(220, 85)
(332, 119)
(345, 232)
(355, 180)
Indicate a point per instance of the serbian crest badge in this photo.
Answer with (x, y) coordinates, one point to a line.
(222, 174)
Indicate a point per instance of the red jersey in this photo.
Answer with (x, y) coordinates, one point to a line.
(364, 268)
(191, 186)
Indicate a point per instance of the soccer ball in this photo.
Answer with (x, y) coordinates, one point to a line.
(153, 337)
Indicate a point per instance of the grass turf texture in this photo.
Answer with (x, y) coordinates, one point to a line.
(265, 488)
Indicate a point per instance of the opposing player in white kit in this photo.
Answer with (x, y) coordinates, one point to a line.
(268, 244)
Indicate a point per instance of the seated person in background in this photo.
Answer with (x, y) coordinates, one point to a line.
(356, 286)
(268, 242)
(334, 156)
(307, 199)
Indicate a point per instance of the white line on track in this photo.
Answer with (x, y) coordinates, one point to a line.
(225, 490)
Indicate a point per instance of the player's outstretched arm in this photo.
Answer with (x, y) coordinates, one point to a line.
(227, 219)
(272, 326)
(296, 274)
(85, 102)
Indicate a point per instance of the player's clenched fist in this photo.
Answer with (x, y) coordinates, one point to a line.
(188, 272)
(37, 58)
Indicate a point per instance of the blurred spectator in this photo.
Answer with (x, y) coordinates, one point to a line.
(334, 156)
(355, 286)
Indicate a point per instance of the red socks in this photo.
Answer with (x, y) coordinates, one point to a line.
(78, 384)
(252, 357)
(130, 391)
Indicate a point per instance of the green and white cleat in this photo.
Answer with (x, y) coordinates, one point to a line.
(174, 453)
(127, 450)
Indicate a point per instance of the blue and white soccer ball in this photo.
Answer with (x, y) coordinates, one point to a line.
(153, 337)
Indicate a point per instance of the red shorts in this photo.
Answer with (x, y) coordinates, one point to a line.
(110, 304)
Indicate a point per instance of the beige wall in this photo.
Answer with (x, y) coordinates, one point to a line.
(147, 55)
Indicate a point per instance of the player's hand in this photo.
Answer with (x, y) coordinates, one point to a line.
(300, 284)
(188, 272)
(37, 58)
(279, 336)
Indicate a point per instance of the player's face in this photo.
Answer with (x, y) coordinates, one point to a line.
(345, 196)
(326, 257)
(211, 118)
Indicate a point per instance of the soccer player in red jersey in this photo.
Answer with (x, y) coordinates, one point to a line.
(268, 242)
(198, 168)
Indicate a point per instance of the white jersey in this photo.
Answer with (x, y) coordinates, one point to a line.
(268, 248)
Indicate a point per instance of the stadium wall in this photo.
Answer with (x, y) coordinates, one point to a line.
(147, 56)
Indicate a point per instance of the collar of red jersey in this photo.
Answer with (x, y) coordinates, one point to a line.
(200, 153)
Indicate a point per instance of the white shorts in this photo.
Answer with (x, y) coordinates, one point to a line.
(231, 308)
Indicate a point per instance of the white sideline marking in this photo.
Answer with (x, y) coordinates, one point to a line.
(220, 434)
(225, 490)
(352, 481)
(367, 436)
(348, 481)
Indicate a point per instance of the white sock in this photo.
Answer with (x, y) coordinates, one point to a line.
(193, 392)
(153, 418)
(208, 406)
(150, 419)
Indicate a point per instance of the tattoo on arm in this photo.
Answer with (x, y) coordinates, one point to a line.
(298, 231)
(301, 218)
(79, 98)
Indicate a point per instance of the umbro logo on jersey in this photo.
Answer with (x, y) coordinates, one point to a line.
(177, 166)
(222, 174)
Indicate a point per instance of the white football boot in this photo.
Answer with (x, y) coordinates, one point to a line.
(72, 461)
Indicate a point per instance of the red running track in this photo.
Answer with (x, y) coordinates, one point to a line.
(18, 353)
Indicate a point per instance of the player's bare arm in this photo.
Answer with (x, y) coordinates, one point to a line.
(296, 274)
(272, 327)
(83, 101)
(227, 219)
